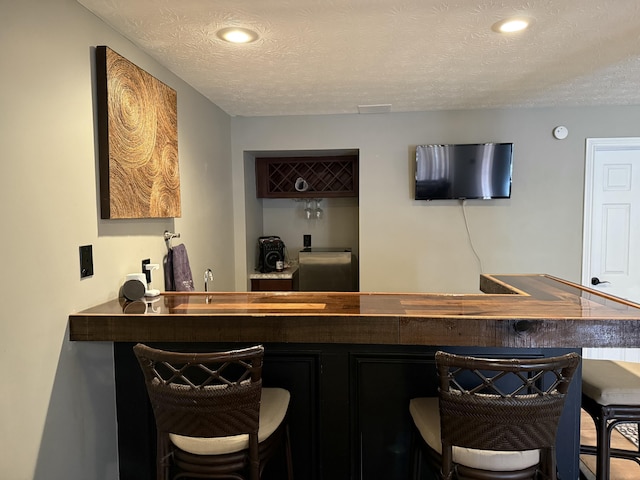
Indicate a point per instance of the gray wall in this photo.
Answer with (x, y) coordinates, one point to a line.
(410, 246)
(57, 408)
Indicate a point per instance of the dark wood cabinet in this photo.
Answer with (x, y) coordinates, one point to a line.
(385, 382)
(267, 283)
(272, 284)
(317, 177)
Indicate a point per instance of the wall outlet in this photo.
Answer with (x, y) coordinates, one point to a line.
(86, 261)
(147, 273)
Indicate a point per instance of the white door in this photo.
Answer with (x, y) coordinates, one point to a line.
(611, 239)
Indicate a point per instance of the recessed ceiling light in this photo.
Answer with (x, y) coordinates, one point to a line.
(510, 25)
(237, 35)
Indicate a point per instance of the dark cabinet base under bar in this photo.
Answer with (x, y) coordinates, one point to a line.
(349, 416)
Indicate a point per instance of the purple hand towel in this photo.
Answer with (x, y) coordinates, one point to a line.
(167, 264)
(182, 279)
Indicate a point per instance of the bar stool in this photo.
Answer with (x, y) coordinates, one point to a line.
(610, 395)
(213, 418)
(493, 418)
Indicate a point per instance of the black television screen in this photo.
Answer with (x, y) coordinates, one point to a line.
(480, 170)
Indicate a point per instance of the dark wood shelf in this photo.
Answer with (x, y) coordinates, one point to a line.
(333, 176)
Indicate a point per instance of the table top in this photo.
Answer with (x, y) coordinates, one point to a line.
(515, 311)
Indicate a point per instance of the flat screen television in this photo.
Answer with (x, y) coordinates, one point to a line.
(474, 171)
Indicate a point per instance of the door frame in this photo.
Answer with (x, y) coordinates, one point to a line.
(594, 145)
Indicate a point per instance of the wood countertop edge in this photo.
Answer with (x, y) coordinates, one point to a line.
(611, 329)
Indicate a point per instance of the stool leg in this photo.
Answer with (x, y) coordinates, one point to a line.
(603, 442)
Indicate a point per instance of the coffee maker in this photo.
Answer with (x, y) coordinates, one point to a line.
(271, 250)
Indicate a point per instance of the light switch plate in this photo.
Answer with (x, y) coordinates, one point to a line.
(86, 261)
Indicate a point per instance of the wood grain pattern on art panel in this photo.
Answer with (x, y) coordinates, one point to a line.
(138, 141)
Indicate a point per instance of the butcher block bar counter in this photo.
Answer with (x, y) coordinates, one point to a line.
(352, 361)
(515, 311)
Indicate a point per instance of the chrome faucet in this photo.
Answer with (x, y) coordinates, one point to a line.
(208, 277)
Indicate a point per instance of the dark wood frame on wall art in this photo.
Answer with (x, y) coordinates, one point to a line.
(137, 141)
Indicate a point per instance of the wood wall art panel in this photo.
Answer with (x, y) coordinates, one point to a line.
(138, 141)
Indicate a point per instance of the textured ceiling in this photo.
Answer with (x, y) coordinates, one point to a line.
(329, 56)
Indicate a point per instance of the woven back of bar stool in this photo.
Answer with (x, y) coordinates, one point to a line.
(203, 395)
(502, 404)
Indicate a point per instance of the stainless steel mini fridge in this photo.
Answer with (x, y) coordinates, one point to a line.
(327, 270)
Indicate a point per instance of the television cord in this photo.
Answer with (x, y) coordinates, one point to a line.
(466, 225)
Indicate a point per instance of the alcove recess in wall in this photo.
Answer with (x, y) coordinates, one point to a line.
(324, 176)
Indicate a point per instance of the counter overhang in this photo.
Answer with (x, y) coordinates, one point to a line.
(531, 311)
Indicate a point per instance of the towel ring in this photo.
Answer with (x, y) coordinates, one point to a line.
(168, 236)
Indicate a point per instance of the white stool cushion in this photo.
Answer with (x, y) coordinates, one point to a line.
(273, 408)
(611, 382)
(426, 416)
